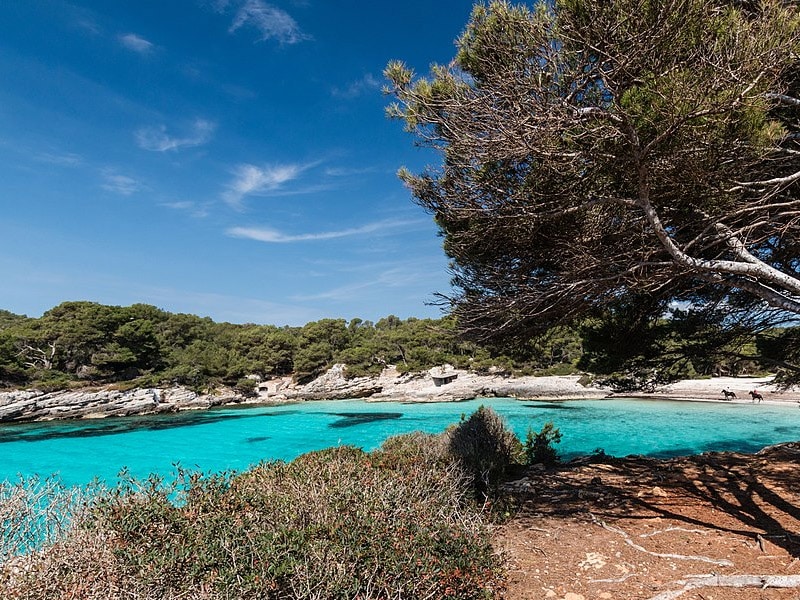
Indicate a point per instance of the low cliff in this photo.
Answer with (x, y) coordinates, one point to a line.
(29, 405)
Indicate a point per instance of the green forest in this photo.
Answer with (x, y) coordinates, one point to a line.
(84, 343)
(78, 343)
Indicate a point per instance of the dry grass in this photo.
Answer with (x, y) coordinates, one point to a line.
(38, 512)
(400, 522)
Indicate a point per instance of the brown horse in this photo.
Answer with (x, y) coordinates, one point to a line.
(755, 395)
(728, 395)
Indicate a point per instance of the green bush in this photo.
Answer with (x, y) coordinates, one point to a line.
(50, 380)
(485, 446)
(539, 447)
(246, 387)
(558, 369)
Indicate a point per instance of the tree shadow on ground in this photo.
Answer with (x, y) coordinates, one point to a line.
(756, 496)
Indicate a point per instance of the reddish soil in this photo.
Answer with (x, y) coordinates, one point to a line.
(639, 528)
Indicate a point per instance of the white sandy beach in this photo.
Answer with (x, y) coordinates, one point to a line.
(711, 390)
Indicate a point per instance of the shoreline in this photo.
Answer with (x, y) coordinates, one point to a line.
(389, 386)
(710, 390)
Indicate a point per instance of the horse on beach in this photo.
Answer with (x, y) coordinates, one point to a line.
(728, 395)
(755, 396)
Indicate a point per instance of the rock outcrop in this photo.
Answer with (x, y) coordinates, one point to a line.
(335, 385)
(29, 405)
(468, 385)
(423, 387)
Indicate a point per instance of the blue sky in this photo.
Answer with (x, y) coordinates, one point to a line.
(228, 158)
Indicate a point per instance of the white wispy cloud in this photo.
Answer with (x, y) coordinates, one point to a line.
(348, 171)
(273, 236)
(79, 17)
(89, 25)
(341, 293)
(185, 205)
(391, 276)
(223, 307)
(366, 85)
(67, 159)
(120, 184)
(156, 139)
(250, 179)
(199, 211)
(270, 21)
(136, 43)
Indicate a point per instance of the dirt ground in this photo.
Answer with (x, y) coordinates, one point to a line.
(694, 528)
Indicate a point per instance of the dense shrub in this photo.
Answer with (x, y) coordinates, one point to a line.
(415, 450)
(485, 446)
(339, 523)
(246, 387)
(539, 446)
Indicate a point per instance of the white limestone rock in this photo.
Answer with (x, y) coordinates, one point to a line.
(72, 404)
(334, 385)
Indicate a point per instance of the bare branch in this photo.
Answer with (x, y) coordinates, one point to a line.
(783, 99)
(775, 181)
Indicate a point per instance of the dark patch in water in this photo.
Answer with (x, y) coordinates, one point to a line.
(29, 432)
(732, 445)
(360, 418)
(256, 439)
(785, 429)
(554, 406)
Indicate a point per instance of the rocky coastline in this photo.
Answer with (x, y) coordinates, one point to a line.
(33, 405)
(446, 385)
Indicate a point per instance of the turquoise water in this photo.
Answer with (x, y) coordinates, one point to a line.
(236, 438)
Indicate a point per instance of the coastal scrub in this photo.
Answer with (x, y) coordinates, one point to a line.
(399, 522)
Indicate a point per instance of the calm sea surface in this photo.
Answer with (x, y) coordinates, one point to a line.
(216, 440)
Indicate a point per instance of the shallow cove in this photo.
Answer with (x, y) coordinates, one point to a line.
(236, 438)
